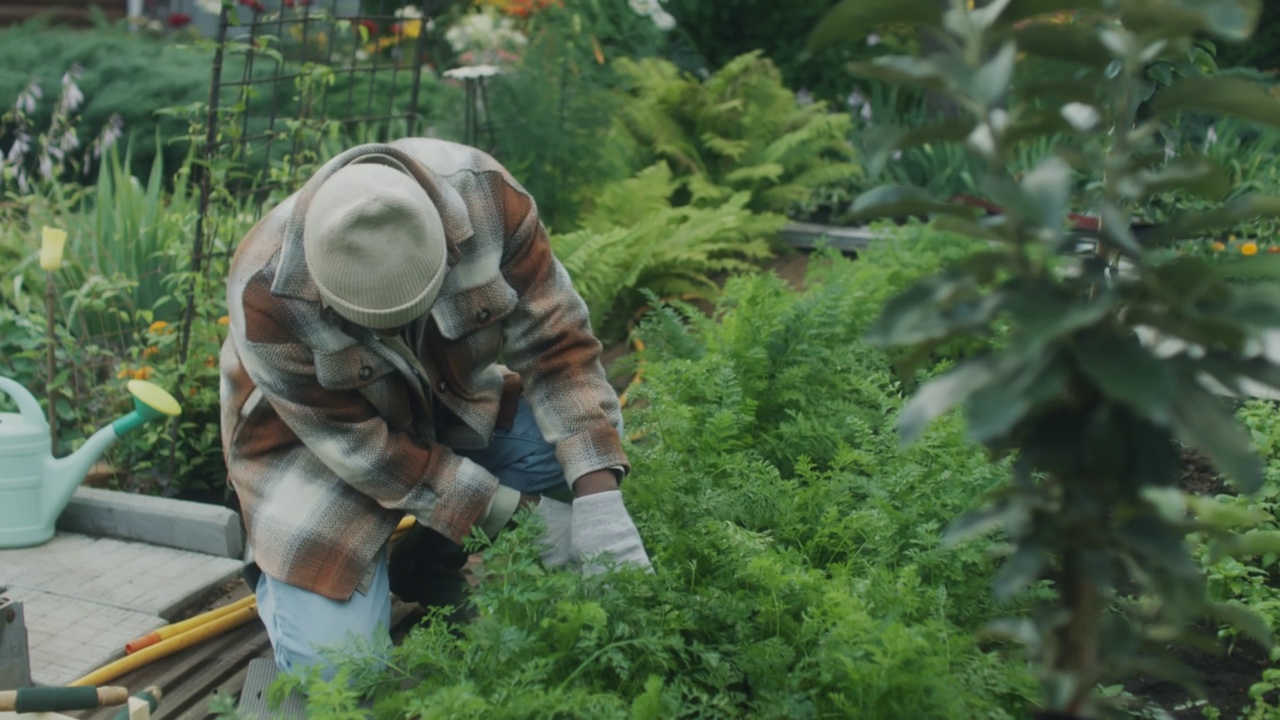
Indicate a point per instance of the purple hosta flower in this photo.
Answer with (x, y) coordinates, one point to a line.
(72, 97)
(804, 97)
(1211, 137)
(873, 39)
(18, 150)
(111, 132)
(28, 98)
(46, 165)
(859, 104)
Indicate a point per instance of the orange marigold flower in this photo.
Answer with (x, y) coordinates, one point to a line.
(1274, 249)
(125, 372)
(150, 351)
(1249, 248)
(1218, 246)
(143, 373)
(158, 327)
(209, 361)
(224, 320)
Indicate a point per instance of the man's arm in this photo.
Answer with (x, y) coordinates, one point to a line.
(548, 340)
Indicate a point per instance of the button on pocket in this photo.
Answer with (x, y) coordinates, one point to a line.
(442, 387)
(366, 372)
(484, 315)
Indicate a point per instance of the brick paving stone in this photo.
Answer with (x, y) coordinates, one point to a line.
(85, 597)
(127, 575)
(70, 637)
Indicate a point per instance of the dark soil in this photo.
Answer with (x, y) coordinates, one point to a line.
(1200, 477)
(1226, 676)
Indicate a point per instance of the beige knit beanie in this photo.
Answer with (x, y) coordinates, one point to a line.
(375, 245)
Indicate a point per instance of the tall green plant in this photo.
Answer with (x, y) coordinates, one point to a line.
(1091, 414)
(134, 225)
(738, 130)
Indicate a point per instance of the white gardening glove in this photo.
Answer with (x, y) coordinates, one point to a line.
(557, 538)
(602, 529)
(557, 517)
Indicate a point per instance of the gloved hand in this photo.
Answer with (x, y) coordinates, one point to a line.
(557, 539)
(602, 529)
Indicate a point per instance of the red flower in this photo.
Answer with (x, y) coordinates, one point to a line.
(179, 20)
(370, 27)
(296, 3)
(254, 5)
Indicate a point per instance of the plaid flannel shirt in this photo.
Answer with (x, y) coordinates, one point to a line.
(328, 436)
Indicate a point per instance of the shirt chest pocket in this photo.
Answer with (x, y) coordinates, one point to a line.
(360, 369)
(477, 308)
(350, 368)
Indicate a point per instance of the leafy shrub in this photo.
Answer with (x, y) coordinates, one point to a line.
(738, 130)
(1091, 414)
(720, 30)
(552, 113)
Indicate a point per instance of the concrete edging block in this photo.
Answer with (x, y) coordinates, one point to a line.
(181, 524)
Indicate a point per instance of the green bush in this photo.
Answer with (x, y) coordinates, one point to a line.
(132, 75)
(721, 30)
(738, 130)
(633, 242)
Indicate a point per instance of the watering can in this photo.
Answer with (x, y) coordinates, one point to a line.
(35, 486)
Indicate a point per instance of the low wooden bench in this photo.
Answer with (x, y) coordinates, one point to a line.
(75, 12)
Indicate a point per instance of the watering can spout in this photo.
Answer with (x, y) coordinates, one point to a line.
(64, 475)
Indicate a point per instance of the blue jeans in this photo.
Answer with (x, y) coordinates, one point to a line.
(302, 624)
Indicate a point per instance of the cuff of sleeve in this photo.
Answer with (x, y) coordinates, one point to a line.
(501, 509)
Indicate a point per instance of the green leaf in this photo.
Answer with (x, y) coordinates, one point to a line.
(943, 393)
(902, 70)
(1259, 267)
(852, 20)
(1019, 10)
(1232, 19)
(1192, 224)
(984, 521)
(1128, 372)
(1201, 176)
(1232, 96)
(1069, 42)
(884, 141)
(1048, 190)
(991, 81)
(1227, 517)
(1242, 619)
(1025, 382)
(1023, 569)
(899, 201)
(1043, 315)
(1202, 421)
(1117, 228)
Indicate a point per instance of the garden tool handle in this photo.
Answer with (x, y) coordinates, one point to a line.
(58, 699)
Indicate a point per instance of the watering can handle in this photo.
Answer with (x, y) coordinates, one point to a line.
(27, 404)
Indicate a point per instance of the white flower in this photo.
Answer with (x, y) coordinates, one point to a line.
(664, 20)
(409, 12)
(873, 39)
(212, 7)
